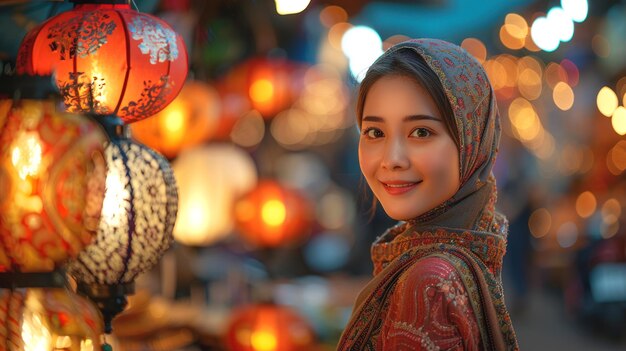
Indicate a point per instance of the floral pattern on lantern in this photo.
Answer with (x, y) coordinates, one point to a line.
(52, 179)
(268, 328)
(47, 319)
(108, 59)
(138, 217)
(272, 215)
(188, 121)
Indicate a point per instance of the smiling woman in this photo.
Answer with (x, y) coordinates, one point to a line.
(429, 136)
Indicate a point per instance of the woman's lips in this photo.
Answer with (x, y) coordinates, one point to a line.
(399, 187)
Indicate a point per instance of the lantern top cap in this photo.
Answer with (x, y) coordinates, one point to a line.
(98, 2)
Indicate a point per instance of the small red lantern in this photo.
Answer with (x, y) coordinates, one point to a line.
(108, 59)
(272, 215)
(269, 84)
(268, 327)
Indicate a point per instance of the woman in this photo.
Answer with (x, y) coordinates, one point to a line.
(429, 137)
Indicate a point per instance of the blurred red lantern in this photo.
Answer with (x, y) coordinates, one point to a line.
(269, 84)
(272, 215)
(268, 327)
(52, 180)
(108, 59)
(188, 121)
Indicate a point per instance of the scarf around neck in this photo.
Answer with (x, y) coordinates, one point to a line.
(466, 229)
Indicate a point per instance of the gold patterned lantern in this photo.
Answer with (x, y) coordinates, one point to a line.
(108, 59)
(52, 178)
(138, 215)
(47, 319)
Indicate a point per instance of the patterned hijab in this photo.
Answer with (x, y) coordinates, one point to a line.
(466, 229)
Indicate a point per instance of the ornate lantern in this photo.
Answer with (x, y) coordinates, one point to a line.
(48, 319)
(188, 121)
(267, 327)
(210, 180)
(108, 59)
(138, 217)
(272, 215)
(52, 178)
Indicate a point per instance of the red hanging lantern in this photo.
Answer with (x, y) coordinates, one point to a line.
(267, 327)
(272, 215)
(108, 59)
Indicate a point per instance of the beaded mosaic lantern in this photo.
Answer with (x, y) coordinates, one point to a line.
(48, 319)
(108, 59)
(268, 327)
(138, 216)
(52, 178)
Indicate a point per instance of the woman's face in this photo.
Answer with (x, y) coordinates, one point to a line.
(406, 154)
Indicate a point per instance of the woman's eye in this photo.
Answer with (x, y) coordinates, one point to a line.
(373, 133)
(421, 133)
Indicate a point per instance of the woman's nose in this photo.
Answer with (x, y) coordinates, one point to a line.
(395, 156)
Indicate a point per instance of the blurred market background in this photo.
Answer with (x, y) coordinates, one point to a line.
(273, 208)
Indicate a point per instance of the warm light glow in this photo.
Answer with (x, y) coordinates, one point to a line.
(586, 204)
(273, 213)
(261, 91)
(174, 121)
(476, 48)
(35, 334)
(611, 211)
(617, 155)
(619, 120)
(516, 26)
(114, 195)
(607, 101)
(263, 340)
(540, 222)
(554, 74)
(249, 129)
(333, 14)
(563, 96)
(508, 39)
(86, 345)
(26, 154)
(290, 7)
(577, 10)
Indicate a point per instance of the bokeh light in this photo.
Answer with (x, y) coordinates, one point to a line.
(563, 96)
(586, 204)
(618, 121)
(540, 222)
(607, 101)
(476, 48)
(562, 23)
(362, 45)
(333, 14)
(544, 34)
(576, 9)
(567, 234)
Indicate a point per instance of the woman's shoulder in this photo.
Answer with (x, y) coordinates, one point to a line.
(430, 268)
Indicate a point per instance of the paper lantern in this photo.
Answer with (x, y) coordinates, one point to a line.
(138, 216)
(188, 121)
(52, 178)
(108, 59)
(272, 215)
(266, 327)
(269, 84)
(210, 179)
(47, 319)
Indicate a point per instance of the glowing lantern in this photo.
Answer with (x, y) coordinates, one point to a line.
(272, 215)
(38, 319)
(108, 59)
(138, 216)
(268, 328)
(269, 84)
(188, 121)
(210, 179)
(52, 179)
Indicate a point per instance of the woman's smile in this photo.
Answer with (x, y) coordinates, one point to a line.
(396, 187)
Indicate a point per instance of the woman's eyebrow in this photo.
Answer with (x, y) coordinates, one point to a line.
(405, 119)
